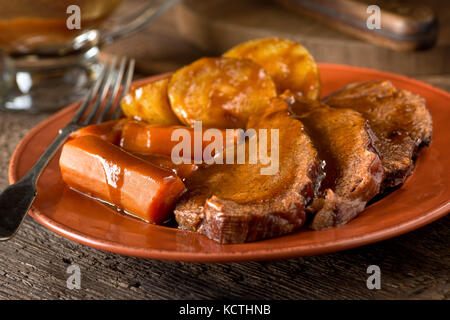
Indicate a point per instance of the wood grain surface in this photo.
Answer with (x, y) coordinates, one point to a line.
(33, 265)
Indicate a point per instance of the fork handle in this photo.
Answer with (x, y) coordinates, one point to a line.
(16, 200)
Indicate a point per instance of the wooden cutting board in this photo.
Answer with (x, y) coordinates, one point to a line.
(217, 25)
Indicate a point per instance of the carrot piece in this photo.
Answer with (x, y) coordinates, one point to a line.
(182, 170)
(141, 138)
(104, 171)
(110, 131)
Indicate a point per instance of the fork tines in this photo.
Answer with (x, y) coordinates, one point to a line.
(106, 93)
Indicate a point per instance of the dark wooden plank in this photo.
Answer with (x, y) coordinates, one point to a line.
(33, 265)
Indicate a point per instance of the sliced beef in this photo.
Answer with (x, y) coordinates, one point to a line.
(235, 203)
(399, 119)
(353, 170)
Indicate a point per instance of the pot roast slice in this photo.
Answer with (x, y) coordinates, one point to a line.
(353, 170)
(399, 119)
(235, 203)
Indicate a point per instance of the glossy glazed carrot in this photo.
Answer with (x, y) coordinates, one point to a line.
(110, 131)
(104, 171)
(139, 137)
(182, 170)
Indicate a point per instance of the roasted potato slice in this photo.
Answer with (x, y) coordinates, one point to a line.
(220, 92)
(288, 63)
(150, 103)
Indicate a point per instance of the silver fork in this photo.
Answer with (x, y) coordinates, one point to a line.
(16, 200)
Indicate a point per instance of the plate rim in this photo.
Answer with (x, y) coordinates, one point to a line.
(233, 256)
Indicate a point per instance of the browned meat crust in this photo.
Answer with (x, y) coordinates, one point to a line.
(399, 119)
(332, 162)
(353, 170)
(236, 204)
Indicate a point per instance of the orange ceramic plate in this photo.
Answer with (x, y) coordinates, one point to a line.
(423, 199)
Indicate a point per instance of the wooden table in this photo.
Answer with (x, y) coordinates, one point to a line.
(33, 265)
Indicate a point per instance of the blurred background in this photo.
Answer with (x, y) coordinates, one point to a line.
(44, 66)
(194, 28)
